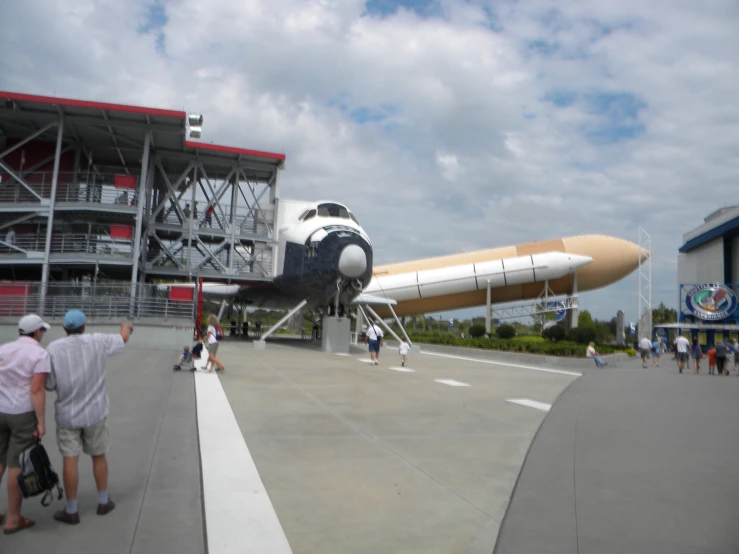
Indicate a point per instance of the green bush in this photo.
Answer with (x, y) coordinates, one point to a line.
(521, 343)
(555, 333)
(477, 330)
(506, 331)
(584, 335)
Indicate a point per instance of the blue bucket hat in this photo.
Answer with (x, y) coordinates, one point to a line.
(74, 319)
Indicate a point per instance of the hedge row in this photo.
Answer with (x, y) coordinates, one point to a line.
(529, 345)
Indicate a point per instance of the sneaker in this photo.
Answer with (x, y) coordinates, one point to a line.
(402, 364)
(64, 517)
(106, 508)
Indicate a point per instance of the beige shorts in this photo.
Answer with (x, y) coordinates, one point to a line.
(16, 434)
(93, 440)
(213, 348)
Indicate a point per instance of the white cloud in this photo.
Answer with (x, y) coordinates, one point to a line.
(507, 100)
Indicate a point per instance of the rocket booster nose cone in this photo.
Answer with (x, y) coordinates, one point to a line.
(577, 261)
(613, 259)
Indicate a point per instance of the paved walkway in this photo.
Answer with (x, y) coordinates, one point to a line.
(365, 459)
(632, 460)
(154, 470)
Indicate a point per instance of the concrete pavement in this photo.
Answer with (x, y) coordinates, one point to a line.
(154, 469)
(632, 460)
(359, 458)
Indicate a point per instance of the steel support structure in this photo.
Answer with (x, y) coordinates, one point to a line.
(236, 240)
(287, 316)
(645, 285)
(143, 177)
(382, 322)
(50, 220)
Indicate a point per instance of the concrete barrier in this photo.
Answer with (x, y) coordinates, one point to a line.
(519, 357)
(170, 335)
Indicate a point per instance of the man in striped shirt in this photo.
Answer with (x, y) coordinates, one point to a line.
(82, 406)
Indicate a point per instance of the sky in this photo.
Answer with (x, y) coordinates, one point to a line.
(445, 125)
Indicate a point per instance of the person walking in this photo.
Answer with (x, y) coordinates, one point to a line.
(656, 351)
(721, 352)
(373, 338)
(24, 367)
(645, 345)
(697, 354)
(82, 406)
(212, 340)
(682, 351)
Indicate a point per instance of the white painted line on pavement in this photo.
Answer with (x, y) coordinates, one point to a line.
(342, 353)
(480, 360)
(451, 382)
(404, 369)
(366, 361)
(239, 515)
(530, 403)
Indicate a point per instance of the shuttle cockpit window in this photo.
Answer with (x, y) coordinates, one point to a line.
(333, 210)
(354, 219)
(308, 214)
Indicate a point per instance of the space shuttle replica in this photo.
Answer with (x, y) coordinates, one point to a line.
(325, 264)
(564, 265)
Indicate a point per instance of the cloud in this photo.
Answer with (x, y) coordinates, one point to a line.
(446, 125)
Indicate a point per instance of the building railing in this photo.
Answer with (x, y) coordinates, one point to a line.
(68, 243)
(247, 221)
(101, 301)
(243, 263)
(95, 189)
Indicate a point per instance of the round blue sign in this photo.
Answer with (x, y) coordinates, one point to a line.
(711, 302)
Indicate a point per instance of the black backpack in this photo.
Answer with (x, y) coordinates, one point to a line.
(37, 474)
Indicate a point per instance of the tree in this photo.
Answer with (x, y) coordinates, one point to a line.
(663, 314)
(477, 330)
(585, 319)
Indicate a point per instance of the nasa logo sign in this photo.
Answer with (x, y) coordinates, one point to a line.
(711, 301)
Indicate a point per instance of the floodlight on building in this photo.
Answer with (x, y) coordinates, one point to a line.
(194, 125)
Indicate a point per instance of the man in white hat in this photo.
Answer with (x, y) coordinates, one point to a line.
(24, 366)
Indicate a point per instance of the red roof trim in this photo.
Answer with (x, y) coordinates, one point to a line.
(232, 150)
(91, 105)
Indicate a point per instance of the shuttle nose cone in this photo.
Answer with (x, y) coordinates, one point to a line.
(352, 261)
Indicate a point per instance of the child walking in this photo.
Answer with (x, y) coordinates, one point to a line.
(403, 351)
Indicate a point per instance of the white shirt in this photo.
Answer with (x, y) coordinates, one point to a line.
(211, 332)
(404, 348)
(590, 352)
(374, 332)
(78, 375)
(645, 344)
(683, 345)
(20, 360)
(10, 237)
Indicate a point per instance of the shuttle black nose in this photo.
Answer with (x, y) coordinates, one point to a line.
(352, 261)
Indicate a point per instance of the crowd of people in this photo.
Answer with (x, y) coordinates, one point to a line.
(722, 356)
(74, 368)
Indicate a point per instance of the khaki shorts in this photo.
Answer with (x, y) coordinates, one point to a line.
(94, 440)
(16, 434)
(213, 348)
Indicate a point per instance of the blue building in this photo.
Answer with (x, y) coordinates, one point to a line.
(708, 280)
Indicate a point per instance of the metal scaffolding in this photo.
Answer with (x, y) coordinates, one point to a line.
(88, 188)
(645, 285)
